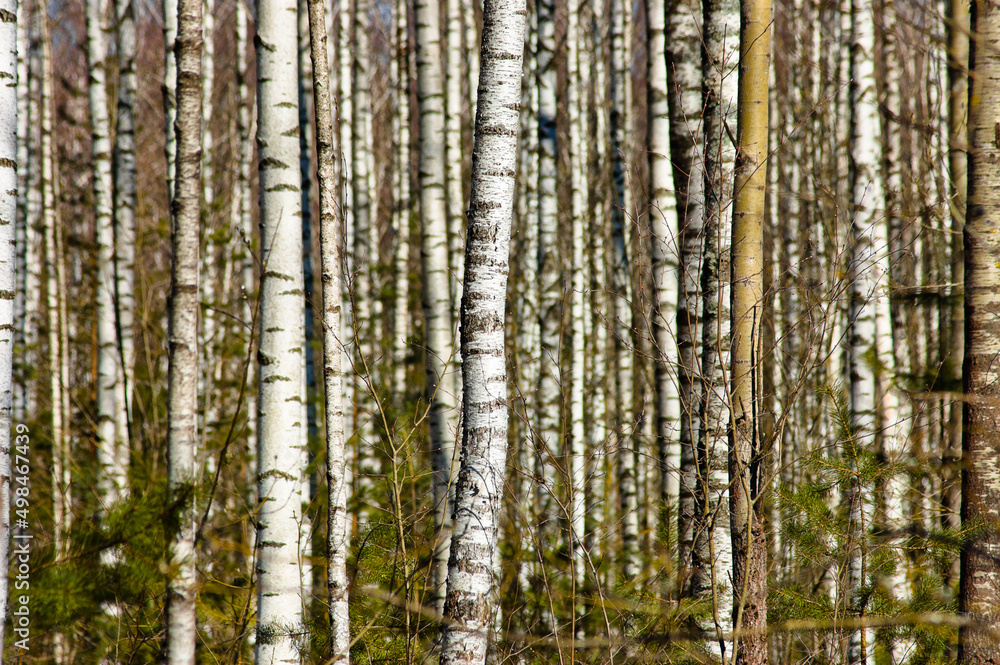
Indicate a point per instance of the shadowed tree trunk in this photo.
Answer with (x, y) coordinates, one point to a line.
(979, 593)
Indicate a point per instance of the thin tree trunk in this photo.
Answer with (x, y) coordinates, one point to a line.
(109, 438)
(578, 159)
(404, 204)
(549, 278)
(621, 293)
(182, 404)
(869, 324)
(331, 260)
(748, 472)
(979, 593)
(281, 456)
(474, 555)
(665, 254)
(8, 213)
(712, 553)
(438, 329)
(953, 354)
(124, 202)
(684, 96)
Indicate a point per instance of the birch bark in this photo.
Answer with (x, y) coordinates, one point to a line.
(124, 209)
(712, 552)
(684, 97)
(182, 397)
(549, 276)
(665, 254)
(8, 214)
(331, 261)
(438, 329)
(112, 450)
(474, 556)
(868, 318)
(281, 456)
(979, 589)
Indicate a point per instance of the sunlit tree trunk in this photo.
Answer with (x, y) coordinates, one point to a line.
(953, 353)
(684, 96)
(979, 594)
(331, 261)
(474, 554)
(404, 205)
(868, 317)
(577, 453)
(548, 396)
(665, 253)
(281, 455)
(712, 554)
(182, 398)
(124, 209)
(8, 213)
(438, 329)
(748, 473)
(111, 444)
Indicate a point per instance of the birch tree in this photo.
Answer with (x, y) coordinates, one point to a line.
(474, 556)
(979, 590)
(747, 471)
(183, 340)
(665, 252)
(281, 455)
(684, 97)
(331, 261)
(8, 214)
(870, 334)
(124, 209)
(438, 329)
(111, 451)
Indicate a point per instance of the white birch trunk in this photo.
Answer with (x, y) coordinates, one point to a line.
(8, 214)
(577, 458)
(453, 150)
(438, 329)
(665, 254)
(111, 446)
(19, 400)
(474, 556)
(182, 398)
(684, 96)
(549, 278)
(124, 210)
(281, 456)
(170, 91)
(331, 261)
(868, 320)
(713, 550)
(622, 294)
(404, 204)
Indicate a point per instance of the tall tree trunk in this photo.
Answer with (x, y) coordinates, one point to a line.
(958, 108)
(665, 254)
(684, 97)
(124, 208)
(979, 594)
(281, 456)
(620, 74)
(8, 213)
(748, 472)
(474, 556)
(869, 324)
(111, 451)
(182, 399)
(578, 158)
(438, 329)
(712, 553)
(404, 204)
(549, 277)
(331, 261)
